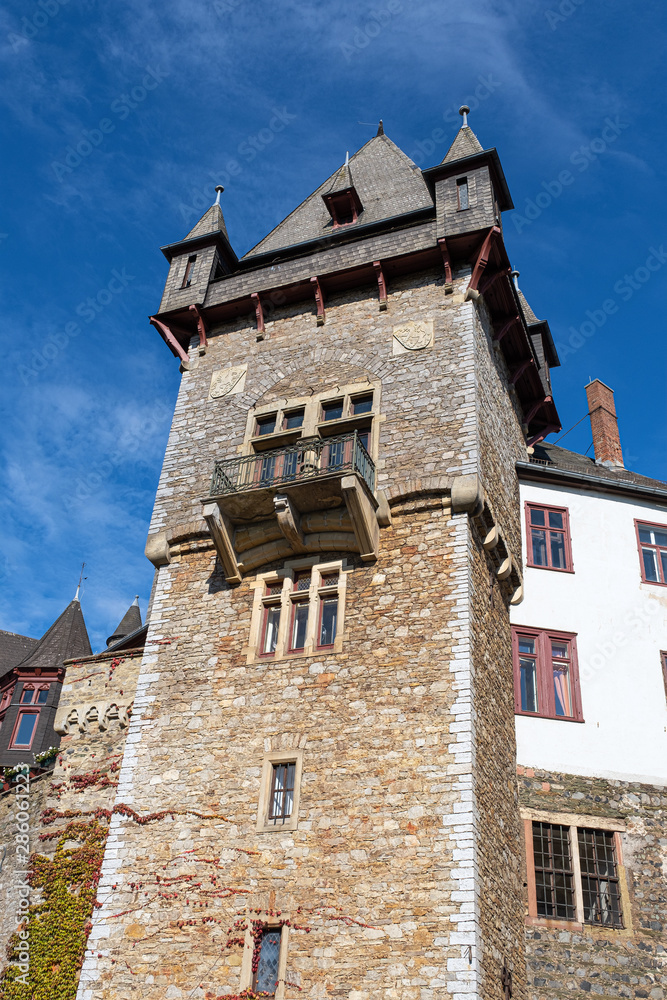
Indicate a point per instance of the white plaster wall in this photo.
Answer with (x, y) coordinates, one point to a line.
(621, 627)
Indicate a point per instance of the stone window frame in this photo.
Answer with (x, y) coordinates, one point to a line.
(544, 666)
(575, 822)
(316, 593)
(269, 922)
(313, 423)
(288, 756)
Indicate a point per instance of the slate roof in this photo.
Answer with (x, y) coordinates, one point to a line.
(130, 622)
(13, 649)
(465, 144)
(388, 183)
(528, 313)
(211, 221)
(66, 639)
(552, 456)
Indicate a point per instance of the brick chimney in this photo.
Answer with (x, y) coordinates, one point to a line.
(601, 410)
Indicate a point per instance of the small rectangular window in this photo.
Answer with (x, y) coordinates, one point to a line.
(27, 695)
(42, 696)
(282, 792)
(462, 191)
(548, 537)
(554, 874)
(25, 729)
(332, 410)
(328, 621)
(652, 541)
(266, 960)
(599, 878)
(546, 675)
(293, 420)
(266, 424)
(270, 627)
(299, 624)
(362, 404)
(187, 277)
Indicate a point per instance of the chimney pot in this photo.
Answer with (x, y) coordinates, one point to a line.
(604, 424)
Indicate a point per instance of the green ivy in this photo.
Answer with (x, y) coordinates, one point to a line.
(59, 925)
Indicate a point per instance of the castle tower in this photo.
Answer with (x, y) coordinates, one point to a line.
(318, 794)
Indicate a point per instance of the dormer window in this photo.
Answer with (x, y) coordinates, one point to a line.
(342, 201)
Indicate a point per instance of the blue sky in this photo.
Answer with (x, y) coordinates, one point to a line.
(159, 99)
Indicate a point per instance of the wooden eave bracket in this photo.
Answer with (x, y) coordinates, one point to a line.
(289, 522)
(489, 278)
(382, 284)
(549, 429)
(363, 517)
(170, 339)
(516, 374)
(483, 259)
(536, 407)
(447, 264)
(201, 328)
(319, 300)
(500, 329)
(222, 533)
(259, 314)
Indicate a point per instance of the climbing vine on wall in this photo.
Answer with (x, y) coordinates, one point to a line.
(58, 925)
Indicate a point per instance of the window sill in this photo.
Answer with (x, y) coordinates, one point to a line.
(278, 439)
(552, 569)
(283, 828)
(550, 718)
(654, 583)
(327, 428)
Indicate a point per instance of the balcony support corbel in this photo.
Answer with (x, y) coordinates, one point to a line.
(259, 314)
(289, 522)
(382, 284)
(536, 407)
(222, 533)
(363, 517)
(202, 329)
(447, 264)
(319, 300)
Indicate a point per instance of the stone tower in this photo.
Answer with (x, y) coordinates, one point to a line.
(318, 796)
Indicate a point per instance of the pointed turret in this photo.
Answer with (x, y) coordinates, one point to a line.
(66, 639)
(465, 144)
(130, 622)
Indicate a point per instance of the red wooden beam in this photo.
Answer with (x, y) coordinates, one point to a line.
(483, 257)
(537, 405)
(519, 370)
(168, 336)
(382, 284)
(444, 250)
(549, 429)
(319, 300)
(500, 331)
(201, 327)
(488, 279)
(259, 314)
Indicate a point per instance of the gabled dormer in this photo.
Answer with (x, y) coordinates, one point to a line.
(342, 200)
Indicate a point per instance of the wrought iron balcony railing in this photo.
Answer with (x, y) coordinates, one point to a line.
(309, 458)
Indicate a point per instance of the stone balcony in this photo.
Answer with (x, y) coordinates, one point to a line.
(313, 495)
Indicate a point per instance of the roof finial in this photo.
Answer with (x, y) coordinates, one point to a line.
(380, 128)
(515, 279)
(347, 158)
(464, 111)
(219, 188)
(136, 601)
(81, 577)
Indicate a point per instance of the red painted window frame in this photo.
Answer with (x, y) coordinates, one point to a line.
(649, 524)
(569, 563)
(544, 661)
(663, 660)
(24, 746)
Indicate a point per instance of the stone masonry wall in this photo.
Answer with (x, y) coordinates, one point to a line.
(596, 961)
